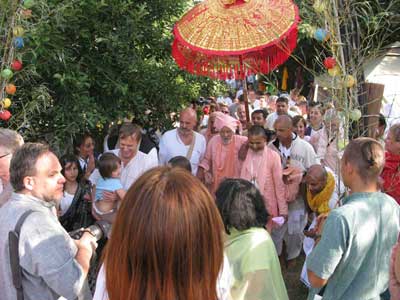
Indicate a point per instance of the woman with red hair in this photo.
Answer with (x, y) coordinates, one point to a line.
(166, 242)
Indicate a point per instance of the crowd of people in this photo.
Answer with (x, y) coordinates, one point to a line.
(215, 210)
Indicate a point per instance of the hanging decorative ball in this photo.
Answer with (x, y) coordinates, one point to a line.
(6, 102)
(28, 3)
(19, 42)
(11, 89)
(329, 62)
(16, 65)
(18, 31)
(6, 73)
(99, 125)
(355, 115)
(319, 6)
(5, 115)
(335, 71)
(321, 35)
(26, 13)
(349, 81)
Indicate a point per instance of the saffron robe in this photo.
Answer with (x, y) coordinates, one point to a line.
(265, 169)
(222, 161)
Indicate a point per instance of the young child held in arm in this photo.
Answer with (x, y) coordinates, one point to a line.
(352, 257)
(110, 170)
(262, 167)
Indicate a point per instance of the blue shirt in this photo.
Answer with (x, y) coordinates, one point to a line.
(107, 184)
(354, 251)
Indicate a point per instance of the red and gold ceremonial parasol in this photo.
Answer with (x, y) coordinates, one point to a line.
(221, 38)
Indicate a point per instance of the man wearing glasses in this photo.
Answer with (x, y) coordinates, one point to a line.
(10, 141)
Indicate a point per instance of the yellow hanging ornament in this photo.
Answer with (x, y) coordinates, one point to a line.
(6, 102)
(349, 81)
(335, 71)
(18, 31)
(285, 77)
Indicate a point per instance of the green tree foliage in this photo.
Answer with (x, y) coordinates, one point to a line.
(89, 62)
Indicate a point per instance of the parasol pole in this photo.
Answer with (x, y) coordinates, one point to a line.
(244, 82)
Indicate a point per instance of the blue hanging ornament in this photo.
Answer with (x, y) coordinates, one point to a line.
(321, 35)
(19, 42)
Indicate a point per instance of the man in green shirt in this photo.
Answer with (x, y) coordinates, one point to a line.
(352, 258)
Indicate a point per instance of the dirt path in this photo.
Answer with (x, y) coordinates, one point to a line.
(296, 289)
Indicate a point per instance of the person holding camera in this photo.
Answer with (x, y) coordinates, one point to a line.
(38, 258)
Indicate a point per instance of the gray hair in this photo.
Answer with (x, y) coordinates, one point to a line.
(10, 140)
(331, 115)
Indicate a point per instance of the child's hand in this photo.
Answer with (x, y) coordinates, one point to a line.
(109, 196)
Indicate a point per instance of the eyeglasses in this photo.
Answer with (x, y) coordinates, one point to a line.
(4, 155)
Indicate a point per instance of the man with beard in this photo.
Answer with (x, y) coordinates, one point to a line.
(49, 263)
(183, 141)
(221, 158)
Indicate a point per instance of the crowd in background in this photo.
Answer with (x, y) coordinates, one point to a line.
(216, 207)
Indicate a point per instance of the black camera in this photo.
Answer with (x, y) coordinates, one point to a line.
(99, 230)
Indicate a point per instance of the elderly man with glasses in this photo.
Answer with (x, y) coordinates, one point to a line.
(10, 141)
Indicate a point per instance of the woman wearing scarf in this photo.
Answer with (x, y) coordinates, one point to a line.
(221, 158)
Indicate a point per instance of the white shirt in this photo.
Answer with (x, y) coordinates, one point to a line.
(224, 283)
(130, 172)
(272, 118)
(66, 202)
(171, 145)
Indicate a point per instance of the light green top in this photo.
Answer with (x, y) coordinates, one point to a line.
(254, 265)
(354, 251)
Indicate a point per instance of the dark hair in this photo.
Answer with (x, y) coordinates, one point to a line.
(108, 163)
(260, 111)
(282, 99)
(257, 130)
(367, 155)
(180, 162)
(23, 163)
(318, 105)
(70, 158)
(240, 204)
(79, 140)
(297, 119)
(129, 129)
(382, 121)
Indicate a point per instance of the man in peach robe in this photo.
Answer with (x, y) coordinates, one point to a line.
(221, 158)
(262, 167)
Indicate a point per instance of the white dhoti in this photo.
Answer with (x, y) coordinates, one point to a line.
(292, 231)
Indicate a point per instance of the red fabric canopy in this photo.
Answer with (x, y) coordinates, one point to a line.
(221, 40)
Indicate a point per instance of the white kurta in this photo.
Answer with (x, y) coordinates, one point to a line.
(171, 145)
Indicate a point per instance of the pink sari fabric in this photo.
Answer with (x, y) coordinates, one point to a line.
(207, 132)
(292, 188)
(222, 161)
(268, 174)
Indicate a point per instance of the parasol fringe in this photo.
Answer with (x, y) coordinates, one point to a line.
(261, 61)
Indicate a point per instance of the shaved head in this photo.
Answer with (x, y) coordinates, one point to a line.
(284, 120)
(316, 178)
(318, 172)
(190, 112)
(187, 122)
